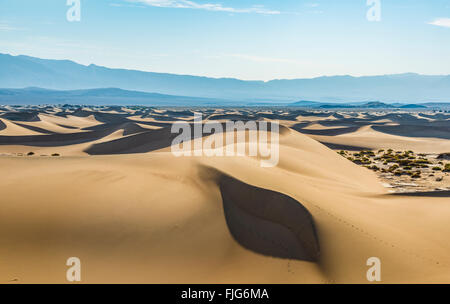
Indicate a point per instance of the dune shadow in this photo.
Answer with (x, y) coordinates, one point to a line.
(437, 193)
(334, 146)
(433, 129)
(327, 132)
(27, 116)
(268, 222)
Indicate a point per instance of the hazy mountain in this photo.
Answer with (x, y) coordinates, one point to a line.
(367, 105)
(24, 71)
(109, 96)
(306, 103)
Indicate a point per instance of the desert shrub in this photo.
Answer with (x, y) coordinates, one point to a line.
(416, 175)
(393, 168)
(422, 161)
(447, 167)
(437, 169)
(404, 162)
(387, 158)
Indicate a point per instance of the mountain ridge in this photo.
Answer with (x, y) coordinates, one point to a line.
(68, 75)
(99, 96)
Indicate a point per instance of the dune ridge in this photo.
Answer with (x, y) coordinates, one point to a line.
(135, 213)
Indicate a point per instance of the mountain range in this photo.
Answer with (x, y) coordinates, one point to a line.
(104, 96)
(24, 71)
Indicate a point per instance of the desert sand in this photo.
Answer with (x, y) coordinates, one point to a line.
(116, 197)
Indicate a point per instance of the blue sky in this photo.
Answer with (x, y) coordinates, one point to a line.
(246, 39)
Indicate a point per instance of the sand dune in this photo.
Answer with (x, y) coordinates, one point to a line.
(141, 215)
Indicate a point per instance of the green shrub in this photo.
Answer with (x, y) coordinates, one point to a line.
(404, 162)
(422, 161)
(416, 174)
(393, 168)
(447, 167)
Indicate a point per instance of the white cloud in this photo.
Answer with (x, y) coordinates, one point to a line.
(444, 22)
(256, 9)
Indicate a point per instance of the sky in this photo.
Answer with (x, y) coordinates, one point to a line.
(245, 39)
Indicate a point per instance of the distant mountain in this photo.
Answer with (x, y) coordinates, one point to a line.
(306, 103)
(108, 96)
(364, 105)
(25, 71)
(412, 106)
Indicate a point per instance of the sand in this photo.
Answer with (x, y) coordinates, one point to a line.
(149, 217)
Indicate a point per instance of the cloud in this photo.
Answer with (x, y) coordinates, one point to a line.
(216, 7)
(444, 22)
